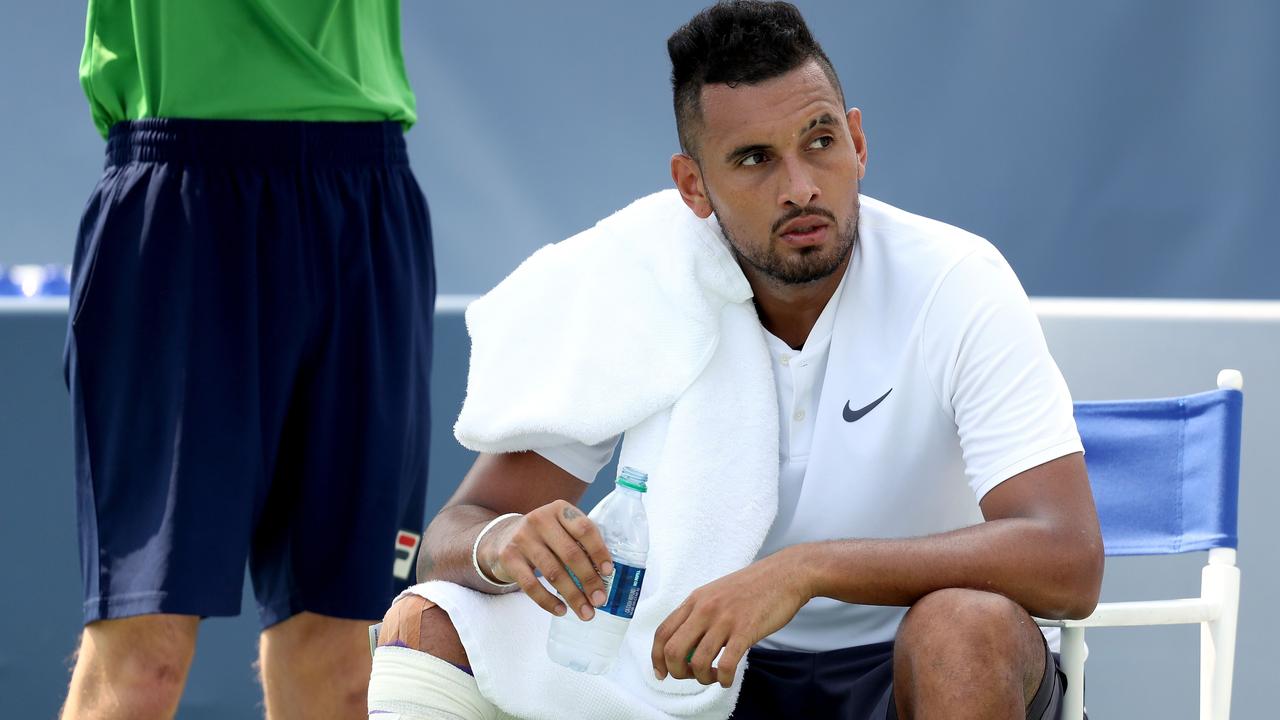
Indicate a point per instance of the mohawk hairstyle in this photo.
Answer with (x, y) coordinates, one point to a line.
(739, 41)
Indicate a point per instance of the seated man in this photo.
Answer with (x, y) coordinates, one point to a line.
(931, 490)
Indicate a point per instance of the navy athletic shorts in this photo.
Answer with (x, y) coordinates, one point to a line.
(849, 684)
(248, 351)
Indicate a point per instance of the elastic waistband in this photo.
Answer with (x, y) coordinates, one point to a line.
(256, 142)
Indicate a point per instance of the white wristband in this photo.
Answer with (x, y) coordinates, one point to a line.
(475, 552)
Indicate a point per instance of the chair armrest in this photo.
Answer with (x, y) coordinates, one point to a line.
(1187, 611)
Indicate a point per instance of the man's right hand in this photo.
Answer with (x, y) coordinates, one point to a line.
(548, 540)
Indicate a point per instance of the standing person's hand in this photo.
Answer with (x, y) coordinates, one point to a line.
(553, 540)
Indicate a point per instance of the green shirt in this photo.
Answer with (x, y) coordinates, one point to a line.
(245, 60)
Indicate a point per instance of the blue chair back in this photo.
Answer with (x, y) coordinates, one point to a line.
(1165, 473)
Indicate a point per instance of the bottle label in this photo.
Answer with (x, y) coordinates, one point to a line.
(623, 590)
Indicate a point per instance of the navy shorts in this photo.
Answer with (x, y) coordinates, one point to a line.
(850, 684)
(248, 351)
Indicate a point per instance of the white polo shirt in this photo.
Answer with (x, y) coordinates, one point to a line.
(924, 383)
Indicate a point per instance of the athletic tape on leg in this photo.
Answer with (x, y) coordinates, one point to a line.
(418, 686)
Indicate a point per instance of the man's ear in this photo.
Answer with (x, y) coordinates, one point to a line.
(859, 139)
(688, 179)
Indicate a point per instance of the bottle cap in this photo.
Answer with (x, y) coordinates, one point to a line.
(630, 477)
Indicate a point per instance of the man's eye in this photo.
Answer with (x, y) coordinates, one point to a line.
(822, 142)
(754, 158)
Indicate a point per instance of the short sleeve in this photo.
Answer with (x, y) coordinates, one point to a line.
(988, 362)
(582, 461)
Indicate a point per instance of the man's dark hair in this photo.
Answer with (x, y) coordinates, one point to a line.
(740, 41)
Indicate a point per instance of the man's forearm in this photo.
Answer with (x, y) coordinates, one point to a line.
(1031, 562)
(447, 543)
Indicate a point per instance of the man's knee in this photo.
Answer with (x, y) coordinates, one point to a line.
(419, 624)
(139, 664)
(309, 644)
(434, 679)
(315, 665)
(154, 650)
(959, 614)
(958, 628)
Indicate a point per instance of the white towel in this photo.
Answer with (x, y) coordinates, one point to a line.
(642, 324)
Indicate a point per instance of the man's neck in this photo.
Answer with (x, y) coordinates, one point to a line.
(790, 311)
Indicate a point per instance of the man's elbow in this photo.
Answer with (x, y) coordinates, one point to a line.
(1079, 585)
(426, 565)
(425, 568)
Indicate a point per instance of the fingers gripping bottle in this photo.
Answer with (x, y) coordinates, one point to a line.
(592, 646)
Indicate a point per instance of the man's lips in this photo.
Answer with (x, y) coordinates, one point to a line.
(805, 230)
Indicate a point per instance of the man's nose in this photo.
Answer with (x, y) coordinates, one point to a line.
(799, 188)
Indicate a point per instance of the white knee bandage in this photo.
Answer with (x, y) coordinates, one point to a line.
(416, 686)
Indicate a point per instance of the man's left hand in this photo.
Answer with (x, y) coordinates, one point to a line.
(729, 614)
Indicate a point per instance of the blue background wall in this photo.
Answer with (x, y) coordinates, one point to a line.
(1111, 148)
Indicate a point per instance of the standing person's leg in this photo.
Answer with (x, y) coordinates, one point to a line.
(315, 666)
(132, 668)
(349, 485)
(162, 364)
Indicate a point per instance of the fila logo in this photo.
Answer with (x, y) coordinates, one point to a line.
(406, 550)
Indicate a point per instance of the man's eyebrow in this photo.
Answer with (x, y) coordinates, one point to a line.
(744, 150)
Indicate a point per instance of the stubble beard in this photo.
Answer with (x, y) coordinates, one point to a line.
(809, 265)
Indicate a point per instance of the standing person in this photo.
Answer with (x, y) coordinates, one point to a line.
(248, 345)
(922, 481)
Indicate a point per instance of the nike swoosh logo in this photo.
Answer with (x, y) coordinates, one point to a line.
(851, 415)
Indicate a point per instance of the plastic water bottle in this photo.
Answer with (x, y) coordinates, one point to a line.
(592, 646)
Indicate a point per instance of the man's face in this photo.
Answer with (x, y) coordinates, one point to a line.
(779, 164)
